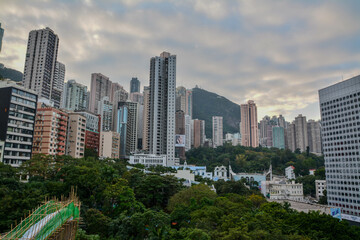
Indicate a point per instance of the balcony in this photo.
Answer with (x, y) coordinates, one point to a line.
(63, 133)
(61, 138)
(62, 128)
(63, 123)
(61, 144)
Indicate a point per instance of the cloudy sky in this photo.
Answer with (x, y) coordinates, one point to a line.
(278, 53)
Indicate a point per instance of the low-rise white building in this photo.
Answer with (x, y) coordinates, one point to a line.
(320, 186)
(220, 172)
(289, 172)
(148, 159)
(281, 189)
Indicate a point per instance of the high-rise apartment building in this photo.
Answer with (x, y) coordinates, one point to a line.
(42, 73)
(278, 137)
(1, 36)
(137, 97)
(75, 96)
(301, 137)
(50, 130)
(198, 133)
(290, 137)
(146, 119)
(340, 120)
(127, 119)
(92, 132)
(314, 136)
(184, 100)
(75, 138)
(17, 111)
(105, 110)
(188, 103)
(134, 85)
(217, 131)
(187, 132)
(249, 124)
(109, 145)
(101, 87)
(162, 106)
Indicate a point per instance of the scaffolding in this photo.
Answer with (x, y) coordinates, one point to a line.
(52, 220)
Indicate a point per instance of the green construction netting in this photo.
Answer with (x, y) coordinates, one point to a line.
(42, 225)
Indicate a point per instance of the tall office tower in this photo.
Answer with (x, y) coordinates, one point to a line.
(75, 96)
(127, 120)
(17, 111)
(105, 110)
(301, 137)
(100, 87)
(75, 137)
(40, 65)
(314, 136)
(249, 125)
(162, 106)
(282, 122)
(187, 132)
(1, 36)
(134, 85)
(92, 132)
(58, 84)
(339, 107)
(278, 137)
(146, 119)
(180, 134)
(50, 130)
(217, 131)
(109, 146)
(290, 137)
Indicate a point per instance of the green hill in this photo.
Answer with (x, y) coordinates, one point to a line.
(10, 73)
(207, 104)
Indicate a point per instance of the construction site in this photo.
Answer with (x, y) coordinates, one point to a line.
(55, 220)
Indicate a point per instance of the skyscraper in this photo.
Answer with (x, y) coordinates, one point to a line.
(74, 96)
(134, 85)
(339, 107)
(278, 137)
(146, 119)
(40, 65)
(184, 100)
(100, 87)
(180, 130)
(217, 131)
(187, 132)
(1, 36)
(75, 137)
(249, 124)
(105, 110)
(301, 137)
(314, 136)
(58, 84)
(162, 106)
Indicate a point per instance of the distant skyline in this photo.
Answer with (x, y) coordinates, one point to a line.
(277, 53)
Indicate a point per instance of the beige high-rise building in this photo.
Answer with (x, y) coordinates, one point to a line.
(197, 133)
(145, 139)
(50, 130)
(290, 142)
(75, 144)
(109, 145)
(101, 87)
(301, 137)
(249, 125)
(184, 100)
(217, 131)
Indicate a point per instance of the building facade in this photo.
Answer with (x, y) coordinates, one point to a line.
(105, 110)
(109, 145)
(40, 65)
(301, 137)
(100, 87)
(92, 132)
(278, 137)
(1, 36)
(339, 107)
(217, 131)
(75, 138)
(320, 187)
(75, 96)
(17, 111)
(314, 136)
(134, 85)
(50, 130)
(146, 120)
(162, 106)
(249, 124)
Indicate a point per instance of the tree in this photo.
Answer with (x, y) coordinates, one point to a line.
(97, 223)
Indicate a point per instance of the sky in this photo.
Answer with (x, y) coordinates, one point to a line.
(277, 53)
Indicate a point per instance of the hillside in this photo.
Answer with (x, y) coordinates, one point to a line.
(10, 73)
(207, 104)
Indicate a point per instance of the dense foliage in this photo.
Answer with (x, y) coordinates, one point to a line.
(246, 159)
(118, 203)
